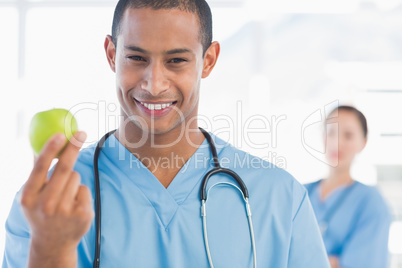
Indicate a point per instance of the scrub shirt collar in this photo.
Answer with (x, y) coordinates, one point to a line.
(164, 200)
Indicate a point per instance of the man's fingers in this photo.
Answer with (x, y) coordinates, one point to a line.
(83, 195)
(65, 165)
(84, 202)
(39, 172)
(67, 200)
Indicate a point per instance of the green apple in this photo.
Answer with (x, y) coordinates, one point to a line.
(47, 123)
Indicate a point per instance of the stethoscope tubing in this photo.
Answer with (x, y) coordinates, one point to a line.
(203, 197)
(98, 204)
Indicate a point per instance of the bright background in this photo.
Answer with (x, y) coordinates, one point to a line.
(292, 60)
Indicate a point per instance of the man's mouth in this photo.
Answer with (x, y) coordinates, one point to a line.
(156, 106)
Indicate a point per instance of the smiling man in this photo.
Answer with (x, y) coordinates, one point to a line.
(150, 212)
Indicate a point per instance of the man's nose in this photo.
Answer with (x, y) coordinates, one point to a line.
(155, 80)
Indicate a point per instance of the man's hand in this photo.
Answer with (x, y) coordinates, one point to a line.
(59, 209)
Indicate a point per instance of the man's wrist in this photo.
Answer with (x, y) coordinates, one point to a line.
(60, 256)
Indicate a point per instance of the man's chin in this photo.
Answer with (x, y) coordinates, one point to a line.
(161, 129)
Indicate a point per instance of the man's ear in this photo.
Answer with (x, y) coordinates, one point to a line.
(110, 50)
(210, 58)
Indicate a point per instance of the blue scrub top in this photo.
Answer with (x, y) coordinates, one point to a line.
(357, 230)
(146, 225)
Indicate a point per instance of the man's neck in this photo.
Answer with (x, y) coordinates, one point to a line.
(164, 154)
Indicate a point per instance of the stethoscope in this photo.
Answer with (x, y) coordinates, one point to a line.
(323, 223)
(203, 196)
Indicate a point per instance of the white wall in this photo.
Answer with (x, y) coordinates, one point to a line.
(285, 61)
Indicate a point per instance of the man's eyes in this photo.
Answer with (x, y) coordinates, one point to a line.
(136, 58)
(177, 60)
(174, 60)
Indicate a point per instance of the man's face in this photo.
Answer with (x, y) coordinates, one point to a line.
(159, 64)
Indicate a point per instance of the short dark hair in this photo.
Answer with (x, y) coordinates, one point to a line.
(360, 116)
(198, 7)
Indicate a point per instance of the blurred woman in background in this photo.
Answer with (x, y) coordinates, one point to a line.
(353, 217)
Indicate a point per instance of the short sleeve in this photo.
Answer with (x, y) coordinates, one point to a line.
(367, 246)
(17, 238)
(306, 246)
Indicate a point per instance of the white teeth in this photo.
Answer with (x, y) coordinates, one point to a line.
(151, 106)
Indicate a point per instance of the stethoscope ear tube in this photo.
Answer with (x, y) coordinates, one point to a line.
(212, 147)
(226, 171)
(97, 199)
(218, 169)
(203, 196)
